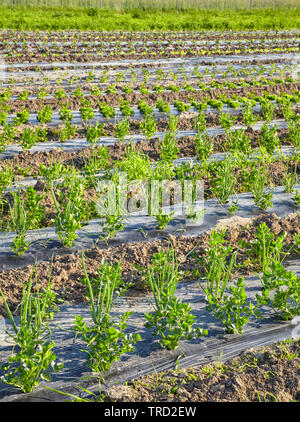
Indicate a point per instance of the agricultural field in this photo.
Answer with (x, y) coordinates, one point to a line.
(149, 215)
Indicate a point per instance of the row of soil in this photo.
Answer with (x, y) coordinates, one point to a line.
(86, 83)
(186, 122)
(142, 54)
(79, 90)
(275, 172)
(93, 49)
(91, 36)
(74, 103)
(107, 46)
(56, 73)
(154, 63)
(28, 163)
(167, 82)
(66, 271)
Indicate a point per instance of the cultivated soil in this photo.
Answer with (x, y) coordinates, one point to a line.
(265, 374)
(67, 270)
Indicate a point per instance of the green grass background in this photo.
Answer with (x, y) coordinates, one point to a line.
(43, 18)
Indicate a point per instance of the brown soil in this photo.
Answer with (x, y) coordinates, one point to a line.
(98, 36)
(67, 270)
(269, 373)
(70, 53)
(119, 86)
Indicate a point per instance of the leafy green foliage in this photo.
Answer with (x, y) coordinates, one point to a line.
(35, 359)
(106, 339)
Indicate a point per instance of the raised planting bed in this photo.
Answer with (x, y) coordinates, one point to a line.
(156, 285)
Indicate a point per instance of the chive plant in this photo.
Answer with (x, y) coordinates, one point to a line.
(171, 319)
(19, 223)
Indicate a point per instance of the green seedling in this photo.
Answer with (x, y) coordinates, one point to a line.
(106, 338)
(282, 293)
(171, 319)
(35, 360)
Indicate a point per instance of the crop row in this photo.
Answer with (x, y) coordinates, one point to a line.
(68, 200)
(171, 319)
(136, 75)
(41, 53)
(115, 36)
(106, 48)
(163, 83)
(17, 130)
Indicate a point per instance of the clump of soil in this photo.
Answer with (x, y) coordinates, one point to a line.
(269, 373)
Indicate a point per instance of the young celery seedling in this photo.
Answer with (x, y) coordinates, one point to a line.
(106, 338)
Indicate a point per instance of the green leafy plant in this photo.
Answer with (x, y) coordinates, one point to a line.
(234, 310)
(108, 273)
(266, 249)
(66, 132)
(249, 118)
(223, 185)
(226, 121)
(163, 219)
(181, 106)
(94, 132)
(162, 106)
(199, 123)
(31, 137)
(122, 129)
(106, 110)
(65, 113)
(148, 126)
(290, 180)
(217, 272)
(45, 115)
(267, 109)
(270, 138)
(113, 218)
(35, 359)
(125, 108)
(34, 210)
(22, 117)
(168, 148)
(145, 108)
(262, 195)
(204, 146)
(238, 141)
(86, 111)
(282, 293)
